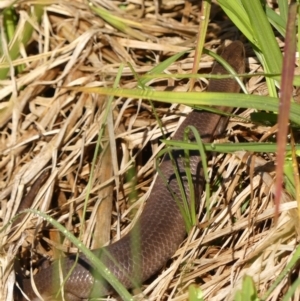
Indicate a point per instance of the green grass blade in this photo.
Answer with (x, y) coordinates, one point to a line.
(262, 147)
(265, 39)
(295, 258)
(195, 99)
(277, 22)
(117, 22)
(284, 9)
(237, 14)
(158, 69)
(14, 48)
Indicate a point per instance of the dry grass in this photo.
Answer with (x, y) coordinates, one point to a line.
(46, 127)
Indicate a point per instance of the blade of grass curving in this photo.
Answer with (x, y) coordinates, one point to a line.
(283, 9)
(187, 209)
(202, 154)
(292, 290)
(271, 83)
(9, 23)
(189, 205)
(267, 50)
(285, 101)
(9, 29)
(119, 23)
(283, 274)
(237, 14)
(266, 41)
(156, 72)
(229, 68)
(276, 20)
(204, 19)
(181, 203)
(289, 179)
(14, 48)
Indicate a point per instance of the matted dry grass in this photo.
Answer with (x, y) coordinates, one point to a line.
(46, 127)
